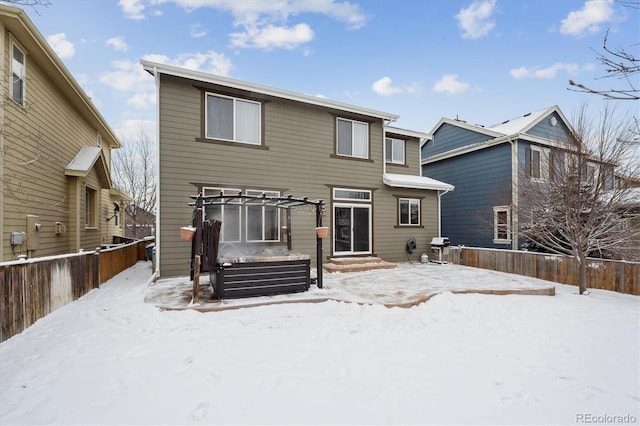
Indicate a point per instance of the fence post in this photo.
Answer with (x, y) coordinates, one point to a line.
(97, 278)
(196, 280)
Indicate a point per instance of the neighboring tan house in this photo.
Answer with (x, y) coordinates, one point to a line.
(219, 134)
(487, 165)
(140, 223)
(56, 195)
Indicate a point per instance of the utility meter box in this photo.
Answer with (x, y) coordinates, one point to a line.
(33, 241)
(17, 238)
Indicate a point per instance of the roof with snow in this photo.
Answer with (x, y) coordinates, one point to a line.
(415, 182)
(523, 123)
(85, 160)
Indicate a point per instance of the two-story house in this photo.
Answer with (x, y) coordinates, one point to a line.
(488, 166)
(217, 134)
(55, 185)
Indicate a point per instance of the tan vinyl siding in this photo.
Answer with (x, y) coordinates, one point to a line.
(297, 157)
(39, 141)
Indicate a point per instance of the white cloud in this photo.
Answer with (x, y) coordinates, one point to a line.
(211, 62)
(384, 87)
(63, 47)
(449, 83)
(130, 79)
(197, 31)
(131, 130)
(588, 19)
(548, 72)
(475, 21)
(270, 37)
(263, 24)
(117, 43)
(133, 9)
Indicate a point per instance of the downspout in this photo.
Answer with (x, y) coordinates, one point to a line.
(385, 124)
(158, 252)
(514, 194)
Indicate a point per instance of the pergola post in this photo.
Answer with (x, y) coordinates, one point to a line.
(319, 245)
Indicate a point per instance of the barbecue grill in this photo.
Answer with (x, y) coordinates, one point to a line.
(440, 246)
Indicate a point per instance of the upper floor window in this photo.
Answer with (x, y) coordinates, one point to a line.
(394, 150)
(353, 138)
(501, 224)
(409, 211)
(18, 74)
(537, 163)
(232, 119)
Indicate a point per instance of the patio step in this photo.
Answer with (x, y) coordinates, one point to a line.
(356, 264)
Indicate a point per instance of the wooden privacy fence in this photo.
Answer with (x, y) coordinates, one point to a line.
(620, 276)
(32, 289)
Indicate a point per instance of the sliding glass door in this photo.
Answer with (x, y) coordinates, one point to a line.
(352, 229)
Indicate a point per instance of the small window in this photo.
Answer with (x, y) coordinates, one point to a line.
(501, 225)
(352, 138)
(394, 150)
(351, 194)
(228, 212)
(589, 171)
(263, 222)
(409, 212)
(90, 206)
(18, 74)
(232, 119)
(537, 166)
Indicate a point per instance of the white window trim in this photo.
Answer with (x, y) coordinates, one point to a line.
(411, 201)
(352, 138)
(363, 191)
(496, 210)
(15, 43)
(544, 163)
(246, 225)
(393, 142)
(234, 99)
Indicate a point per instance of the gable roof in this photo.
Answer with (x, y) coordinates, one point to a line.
(18, 23)
(513, 127)
(155, 68)
(526, 122)
(82, 163)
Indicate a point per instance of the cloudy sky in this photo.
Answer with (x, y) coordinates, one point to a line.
(483, 61)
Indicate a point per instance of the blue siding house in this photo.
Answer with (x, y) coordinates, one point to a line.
(485, 165)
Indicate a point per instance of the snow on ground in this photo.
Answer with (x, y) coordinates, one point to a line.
(111, 358)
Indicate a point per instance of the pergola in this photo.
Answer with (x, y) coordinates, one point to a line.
(286, 203)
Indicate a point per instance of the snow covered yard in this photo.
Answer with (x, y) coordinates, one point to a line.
(111, 358)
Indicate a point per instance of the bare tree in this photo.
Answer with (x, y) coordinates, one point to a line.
(619, 63)
(134, 173)
(578, 207)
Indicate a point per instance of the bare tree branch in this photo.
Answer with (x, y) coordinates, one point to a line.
(580, 206)
(134, 173)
